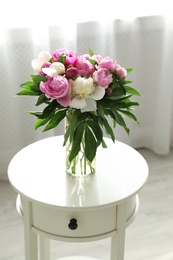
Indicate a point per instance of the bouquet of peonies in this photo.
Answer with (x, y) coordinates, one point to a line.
(88, 90)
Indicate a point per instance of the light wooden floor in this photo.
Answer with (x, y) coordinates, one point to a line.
(150, 236)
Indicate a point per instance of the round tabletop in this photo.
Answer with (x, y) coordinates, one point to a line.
(38, 173)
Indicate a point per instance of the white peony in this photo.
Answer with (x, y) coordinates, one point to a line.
(85, 93)
(56, 68)
(43, 57)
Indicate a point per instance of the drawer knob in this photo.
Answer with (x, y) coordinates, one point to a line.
(73, 224)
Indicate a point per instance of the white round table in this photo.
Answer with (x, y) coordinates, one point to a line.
(56, 205)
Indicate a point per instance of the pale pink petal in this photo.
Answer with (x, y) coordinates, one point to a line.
(59, 67)
(90, 105)
(42, 58)
(78, 103)
(50, 72)
(56, 68)
(45, 56)
(98, 93)
(37, 64)
(64, 101)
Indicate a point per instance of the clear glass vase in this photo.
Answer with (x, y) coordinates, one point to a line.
(80, 165)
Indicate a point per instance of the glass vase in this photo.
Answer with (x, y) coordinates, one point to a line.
(80, 165)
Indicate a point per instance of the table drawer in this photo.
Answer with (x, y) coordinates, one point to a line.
(88, 222)
(78, 222)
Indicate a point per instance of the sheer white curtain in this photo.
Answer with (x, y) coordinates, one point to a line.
(141, 41)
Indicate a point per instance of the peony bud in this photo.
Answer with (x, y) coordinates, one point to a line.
(71, 73)
(109, 91)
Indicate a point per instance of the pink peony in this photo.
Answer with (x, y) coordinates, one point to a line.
(102, 77)
(97, 58)
(58, 88)
(122, 73)
(70, 56)
(85, 68)
(107, 63)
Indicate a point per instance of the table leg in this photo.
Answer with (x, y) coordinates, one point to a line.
(44, 248)
(118, 239)
(31, 243)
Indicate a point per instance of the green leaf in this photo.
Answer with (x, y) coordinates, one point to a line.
(27, 84)
(55, 120)
(132, 91)
(90, 144)
(76, 142)
(121, 122)
(104, 145)
(94, 125)
(72, 117)
(114, 85)
(100, 109)
(129, 70)
(38, 78)
(37, 113)
(62, 58)
(117, 98)
(28, 92)
(108, 128)
(109, 113)
(42, 99)
(35, 88)
(92, 61)
(29, 89)
(91, 53)
(41, 122)
(122, 87)
(124, 104)
(128, 114)
(117, 87)
(127, 81)
(50, 108)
